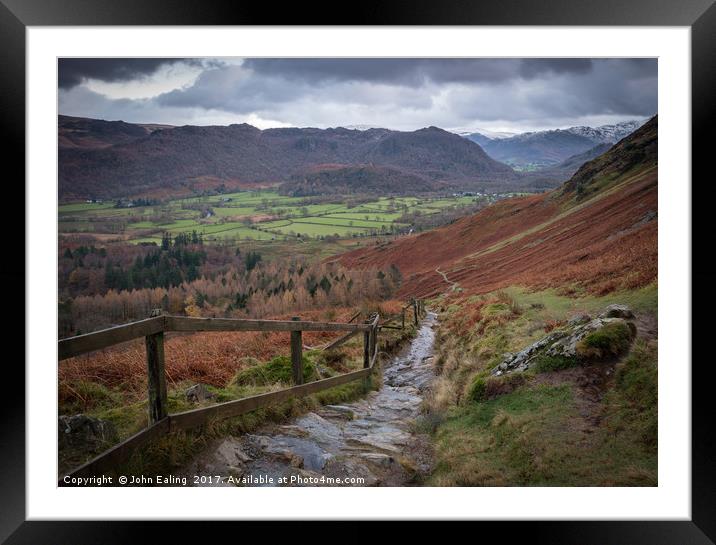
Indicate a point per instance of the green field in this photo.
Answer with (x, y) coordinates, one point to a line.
(247, 215)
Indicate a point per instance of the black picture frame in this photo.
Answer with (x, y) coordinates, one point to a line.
(700, 15)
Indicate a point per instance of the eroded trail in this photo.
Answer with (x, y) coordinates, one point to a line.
(454, 286)
(368, 442)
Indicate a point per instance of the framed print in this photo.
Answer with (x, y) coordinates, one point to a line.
(407, 270)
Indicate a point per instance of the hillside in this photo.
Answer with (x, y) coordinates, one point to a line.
(134, 159)
(374, 180)
(598, 230)
(81, 132)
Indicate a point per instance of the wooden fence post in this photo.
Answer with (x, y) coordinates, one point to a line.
(366, 347)
(402, 321)
(415, 311)
(156, 378)
(297, 354)
(373, 340)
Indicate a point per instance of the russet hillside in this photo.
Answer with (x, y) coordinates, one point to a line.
(598, 231)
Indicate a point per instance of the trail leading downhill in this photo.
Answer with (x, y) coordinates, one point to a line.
(454, 286)
(368, 442)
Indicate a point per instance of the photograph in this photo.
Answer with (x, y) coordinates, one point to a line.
(405, 266)
(357, 271)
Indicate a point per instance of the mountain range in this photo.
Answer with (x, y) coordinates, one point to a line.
(103, 159)
(115, 159)
(544, 149)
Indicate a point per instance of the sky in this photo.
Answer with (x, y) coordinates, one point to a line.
(460, 94)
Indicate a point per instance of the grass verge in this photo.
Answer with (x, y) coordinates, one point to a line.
(549, 426)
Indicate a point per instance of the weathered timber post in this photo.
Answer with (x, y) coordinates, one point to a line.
(366, 346)
(297, 354)
(157, 379)
(402, 320)
(373, 340)
(415, 311)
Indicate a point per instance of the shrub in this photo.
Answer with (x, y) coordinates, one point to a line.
(545, 363)
(636, 378)
(279, 369)
(335, 359)
(428, 422)
(506, 384)
(84, 395)
(477, 390)
(611, 340)
(553, 324)
(510, 301)
(496, 309)
(631, 407)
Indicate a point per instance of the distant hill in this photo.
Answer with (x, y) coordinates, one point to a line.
(117, 159)
(344, 180)
(598, 230)
(544, 149)
(82, 132)
(551, 177)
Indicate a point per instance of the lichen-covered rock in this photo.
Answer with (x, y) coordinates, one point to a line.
(577, 319)
(198, 392)
(85, 431)
(576, 342)
(617, 311)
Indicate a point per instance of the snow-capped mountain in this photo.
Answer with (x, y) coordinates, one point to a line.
(610, 134)
(542, 149)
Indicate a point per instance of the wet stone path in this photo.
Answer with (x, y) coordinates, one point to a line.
(367, 442)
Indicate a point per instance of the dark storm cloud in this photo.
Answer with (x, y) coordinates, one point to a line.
(532, 68)
(72, 71)
(416, 71)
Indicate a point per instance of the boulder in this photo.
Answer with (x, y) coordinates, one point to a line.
(617, 311)
(198, 392)
(85, 431)
(576, 342)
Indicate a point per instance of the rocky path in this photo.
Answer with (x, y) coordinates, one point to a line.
(454, 286)
(369, 442)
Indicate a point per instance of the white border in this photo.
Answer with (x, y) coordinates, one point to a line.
(670, 500)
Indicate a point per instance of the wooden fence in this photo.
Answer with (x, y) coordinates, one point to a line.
(153, 330)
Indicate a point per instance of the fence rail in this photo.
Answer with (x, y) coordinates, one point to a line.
(162, 423)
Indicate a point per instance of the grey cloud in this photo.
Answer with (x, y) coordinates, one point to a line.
(412, 71)
(73, 71)
(531, 68)
(404, 71)
(231, 88)
(240, 90)
(610, 88)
